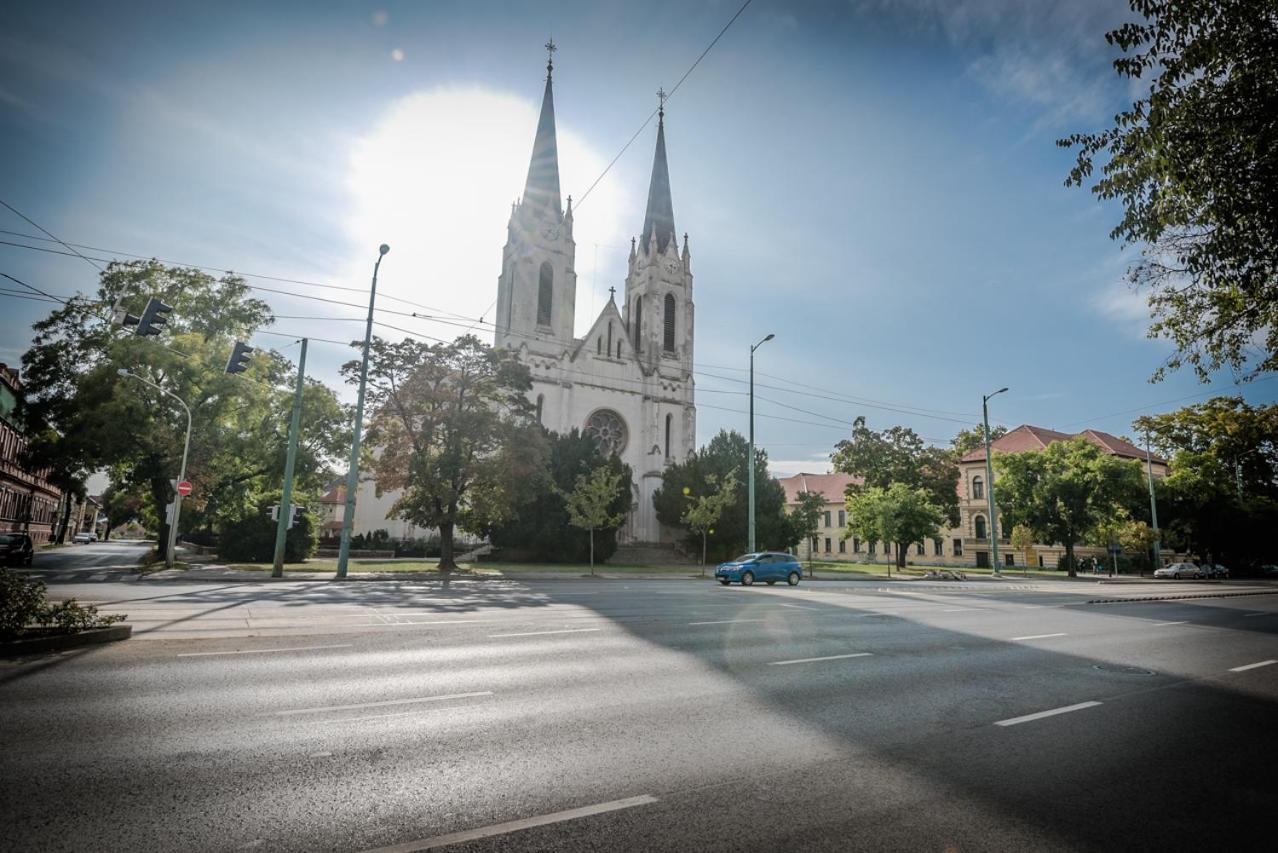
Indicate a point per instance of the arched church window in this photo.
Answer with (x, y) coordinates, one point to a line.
(638, 324)
(980, 526)
(608, 431)
(669, 421)
(978, 488)
(544, 290)
(610, 338)
(541, 403)
(670, 323)
(618, 349)
(599, 345)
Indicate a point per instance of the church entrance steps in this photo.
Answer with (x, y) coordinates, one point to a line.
(650, 555)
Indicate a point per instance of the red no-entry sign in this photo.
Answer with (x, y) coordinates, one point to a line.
(184, 488)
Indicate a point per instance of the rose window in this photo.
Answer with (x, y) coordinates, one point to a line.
(608, 431)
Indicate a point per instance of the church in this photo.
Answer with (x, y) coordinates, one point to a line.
(628, 383)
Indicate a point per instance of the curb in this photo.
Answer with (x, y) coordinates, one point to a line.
(58, 642)
(1181, 597)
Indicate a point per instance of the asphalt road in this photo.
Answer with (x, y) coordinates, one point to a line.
(93, 556)
(649, 715)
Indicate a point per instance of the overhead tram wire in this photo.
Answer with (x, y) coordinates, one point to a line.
(50, 234)
(653, 114)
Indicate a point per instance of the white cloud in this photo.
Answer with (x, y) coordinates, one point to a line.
(815, 464)
(1126, 308)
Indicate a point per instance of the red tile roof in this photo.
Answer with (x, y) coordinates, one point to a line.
(336, 495)
(833, 486)
(1026, 437)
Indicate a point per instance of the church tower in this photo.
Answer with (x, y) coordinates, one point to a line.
(537, 288)
(659, 279)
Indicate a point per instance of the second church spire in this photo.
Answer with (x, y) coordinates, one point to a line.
(541, 190)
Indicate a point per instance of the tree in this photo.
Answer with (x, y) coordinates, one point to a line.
(805, 518)
(1023, 540)
(898, 455)
(120, 505)
(705, 510)
(84, 416)
(898, 513)
(728, 451)
(1220, 501)
(971, 439)
(1061, 493)
(537, 524)
(1194, 162)
(449, 430)
(590, 503)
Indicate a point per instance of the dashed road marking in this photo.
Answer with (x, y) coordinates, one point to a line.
(516, 825)
(1039, 637)
(727, 621)
(814, 660)
(1252, 666)
(382, 704)
(263, 651)
(1014, 721)
(1159, 624)
(543, 633)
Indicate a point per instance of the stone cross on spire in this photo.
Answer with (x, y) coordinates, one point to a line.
(550, 56)
(662, 97)
(612, 294)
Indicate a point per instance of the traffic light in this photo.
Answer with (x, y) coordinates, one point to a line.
(120, 315)
(154, 317)
(293, 511)
(238, 362)
(274, 512)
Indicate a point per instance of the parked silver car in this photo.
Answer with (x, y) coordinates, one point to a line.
(1179, 571)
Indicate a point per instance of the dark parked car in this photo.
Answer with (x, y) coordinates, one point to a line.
(16, 549)
(765, 566)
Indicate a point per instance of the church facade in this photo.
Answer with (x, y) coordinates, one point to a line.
(628, 382)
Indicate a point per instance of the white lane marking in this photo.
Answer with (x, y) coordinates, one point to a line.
(727, 621)
(1258, 614)
(1039, 637)
(515, 825)
(813, 660)
(957, 609)
(382, 704)
(798, 607)
(542, 633)
(1157, 624)
(1041, 714)
(263, 651)
(1252, 666)
(409, 621)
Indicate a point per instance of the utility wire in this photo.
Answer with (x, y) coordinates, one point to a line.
(36, 289)
(51, 235)
(653, 114)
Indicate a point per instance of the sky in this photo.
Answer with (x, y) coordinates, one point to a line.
(875, 182)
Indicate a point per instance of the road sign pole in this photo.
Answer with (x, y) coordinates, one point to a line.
(294, 427)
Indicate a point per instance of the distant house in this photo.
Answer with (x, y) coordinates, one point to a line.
(329, 517)
(829, 543)
(969, 543)
(28, 502)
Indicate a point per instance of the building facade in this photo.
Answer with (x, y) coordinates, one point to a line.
(628, 382)
(28, 502)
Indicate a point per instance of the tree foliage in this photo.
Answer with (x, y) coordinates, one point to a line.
(1065, 491)
(899, 455)
(805, 517)
(84, 416)
(971, 439)
(1194, 162)
(706, 509)
(451, 430)
(592, 502)
(728, 452)
(898, 513)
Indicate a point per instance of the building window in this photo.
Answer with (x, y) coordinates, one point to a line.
(1010, 560)
(618, 349)
(958, 547)
(919, 549)
(843, 518)
(978, 489)
(814, 545)
(938, 548)
(1040, 561)
(979, 522)
(608, 430)
(610, 341)
(544, 290)
(669, 421)
(638, 324)
(843, 546)
(541, 402)
(670, 323)
(599, 345)
(871, 548)
(856, 545)
(827, 518)
(827, 544)
(887, 548)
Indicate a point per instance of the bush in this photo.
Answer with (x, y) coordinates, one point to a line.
(421, 548)
(23, 605)
(252, 539)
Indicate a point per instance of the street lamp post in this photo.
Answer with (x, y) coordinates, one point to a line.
(352, 475)
(1153, 505)
(171, 546)
(750, 475)
(989, 476)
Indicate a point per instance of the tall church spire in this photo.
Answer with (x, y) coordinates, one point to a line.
(660, 214)
(541, 190)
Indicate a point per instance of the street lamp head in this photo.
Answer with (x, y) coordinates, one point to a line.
(768, 338)
(123, 372)
(999, 391)
(383, 249)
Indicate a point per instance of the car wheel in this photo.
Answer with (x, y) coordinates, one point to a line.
(793, 579)
(747, 579)
(724, 581)
(1176, 576)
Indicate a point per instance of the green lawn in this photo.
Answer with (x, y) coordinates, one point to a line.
(880, 569)
(407, 565)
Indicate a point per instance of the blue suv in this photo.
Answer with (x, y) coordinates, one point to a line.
(767, 566)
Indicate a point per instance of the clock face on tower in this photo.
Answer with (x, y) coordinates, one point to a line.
(550, 232)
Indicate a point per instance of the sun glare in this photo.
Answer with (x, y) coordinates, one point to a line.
(435, 179)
